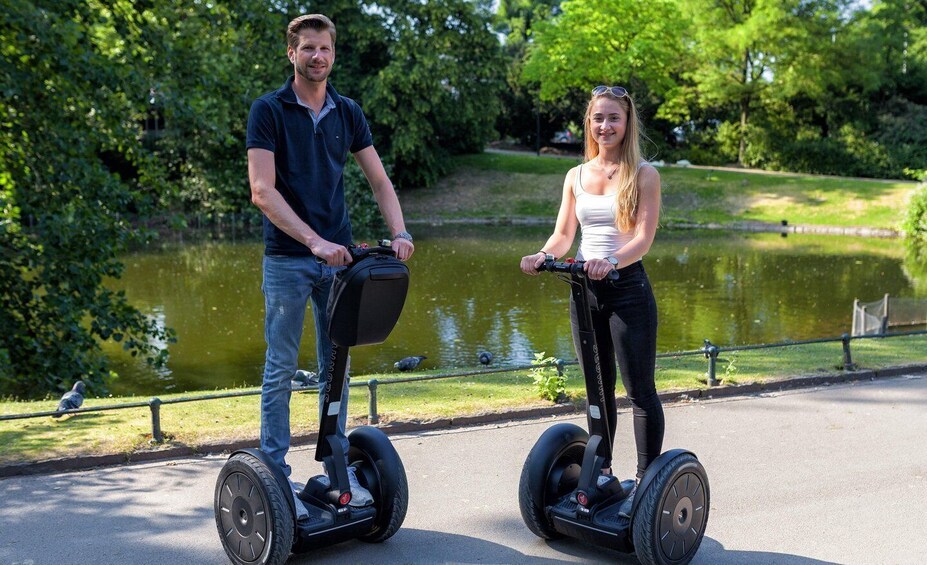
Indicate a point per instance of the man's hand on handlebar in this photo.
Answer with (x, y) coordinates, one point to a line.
(403, 248)
(531, 263)
(330, 253)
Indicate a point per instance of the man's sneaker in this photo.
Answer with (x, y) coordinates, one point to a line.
(359, 495)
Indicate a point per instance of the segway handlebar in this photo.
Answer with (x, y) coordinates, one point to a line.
(362, 250)
(572, 267)
(381, 248)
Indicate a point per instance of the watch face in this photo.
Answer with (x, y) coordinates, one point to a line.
(613, 261)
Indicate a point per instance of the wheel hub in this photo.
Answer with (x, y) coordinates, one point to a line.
(243, 514)
(243, 517)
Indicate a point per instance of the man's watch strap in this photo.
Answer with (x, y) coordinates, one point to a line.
(403, 235)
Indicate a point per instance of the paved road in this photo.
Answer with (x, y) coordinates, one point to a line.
(829, 475)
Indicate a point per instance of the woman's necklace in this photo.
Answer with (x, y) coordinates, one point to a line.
(611, 174)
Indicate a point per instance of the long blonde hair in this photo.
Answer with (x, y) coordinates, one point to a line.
(629, 160)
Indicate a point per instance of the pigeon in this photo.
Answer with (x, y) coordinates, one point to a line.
(304, 379)
(485, 357)
(72, 399)
(409, 363)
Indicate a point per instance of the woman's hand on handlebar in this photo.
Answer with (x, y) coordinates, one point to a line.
(530, 263)
(598, 269)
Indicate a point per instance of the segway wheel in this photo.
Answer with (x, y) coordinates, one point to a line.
(255, 522)
(671, 517)
(551, 471)
(380, 470)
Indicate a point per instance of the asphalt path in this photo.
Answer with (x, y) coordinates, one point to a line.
(834, 474)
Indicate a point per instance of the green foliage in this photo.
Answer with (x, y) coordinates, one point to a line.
(915, 219)
(607, 42)
(73, 178)
(549, 382)
(438, 94)
(366, 220)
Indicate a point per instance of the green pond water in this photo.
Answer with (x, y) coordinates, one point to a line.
(467, 294)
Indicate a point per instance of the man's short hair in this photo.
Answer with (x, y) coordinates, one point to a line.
(316, 22)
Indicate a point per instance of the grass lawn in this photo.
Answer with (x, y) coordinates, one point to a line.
(222, 420)
(502, 186)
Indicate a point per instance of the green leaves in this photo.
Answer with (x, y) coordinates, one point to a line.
(606, 42)
(68, 197)
(438, 93)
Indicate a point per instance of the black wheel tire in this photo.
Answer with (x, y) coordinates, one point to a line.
(671, 517)
(255, 522)
(380, 470)
(550, 471)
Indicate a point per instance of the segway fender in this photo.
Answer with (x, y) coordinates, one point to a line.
(652, 471)
(276, 471)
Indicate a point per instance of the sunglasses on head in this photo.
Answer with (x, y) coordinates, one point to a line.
(617, 91)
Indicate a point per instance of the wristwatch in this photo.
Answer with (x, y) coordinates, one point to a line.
(613, 260)
(403, 235)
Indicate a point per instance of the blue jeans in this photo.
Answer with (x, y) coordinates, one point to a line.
(289, 283)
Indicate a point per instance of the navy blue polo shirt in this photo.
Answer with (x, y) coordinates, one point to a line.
(309, 162)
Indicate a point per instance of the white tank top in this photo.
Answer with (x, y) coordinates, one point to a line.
(597, 214)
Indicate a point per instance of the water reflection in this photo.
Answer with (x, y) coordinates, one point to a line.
(467, 295)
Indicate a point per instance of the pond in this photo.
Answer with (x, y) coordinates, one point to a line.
(467, 294)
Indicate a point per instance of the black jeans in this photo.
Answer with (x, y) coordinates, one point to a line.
(625, 325)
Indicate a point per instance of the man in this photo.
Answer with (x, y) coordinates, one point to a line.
(298, 141)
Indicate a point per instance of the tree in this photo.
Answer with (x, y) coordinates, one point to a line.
(522, 115)
(746, 50)
(438, 93)
(607, 42)
(70, 129)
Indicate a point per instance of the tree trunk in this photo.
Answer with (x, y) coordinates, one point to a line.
(744, 117)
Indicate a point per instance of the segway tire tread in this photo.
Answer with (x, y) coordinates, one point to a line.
(398, 514)
(645, 519)
(534, 513)
(282, 521)
(553, 444)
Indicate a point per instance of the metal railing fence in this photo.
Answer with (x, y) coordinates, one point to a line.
(709, 350)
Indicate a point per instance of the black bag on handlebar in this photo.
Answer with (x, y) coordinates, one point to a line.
(366, 300)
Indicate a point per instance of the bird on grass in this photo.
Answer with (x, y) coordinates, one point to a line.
(485, 357)
(409, 363)
(305, 379)
(72, 399)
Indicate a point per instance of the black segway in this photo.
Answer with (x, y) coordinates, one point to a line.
(255, 510)
(558, 491)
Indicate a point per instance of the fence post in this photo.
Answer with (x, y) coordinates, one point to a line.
(155, 405)
(884, 327)
(372, 417)
(848, 364)
(711, 353)
(559, 363)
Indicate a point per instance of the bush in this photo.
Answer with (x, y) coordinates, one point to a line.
(915, 220)
(549, 381)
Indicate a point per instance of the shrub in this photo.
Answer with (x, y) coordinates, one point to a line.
(549, 381)
(915, 221)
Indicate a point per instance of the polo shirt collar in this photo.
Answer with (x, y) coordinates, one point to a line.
(288, 95)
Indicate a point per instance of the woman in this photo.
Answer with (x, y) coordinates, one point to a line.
(614, 196)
